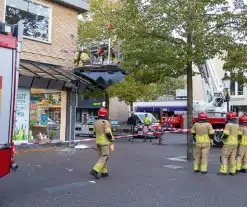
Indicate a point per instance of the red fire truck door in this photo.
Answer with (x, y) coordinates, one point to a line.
(7, 97)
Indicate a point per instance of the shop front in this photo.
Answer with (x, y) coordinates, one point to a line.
(46, 103)
(38, 114)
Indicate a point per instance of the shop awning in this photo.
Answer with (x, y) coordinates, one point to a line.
(105, 75)
(41, 75)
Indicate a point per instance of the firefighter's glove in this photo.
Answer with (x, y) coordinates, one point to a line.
(109, 136)
(239, 137)
(211, 136)
(224, 136)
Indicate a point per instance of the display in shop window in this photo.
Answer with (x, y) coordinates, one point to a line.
(21, 129)
(45, 114)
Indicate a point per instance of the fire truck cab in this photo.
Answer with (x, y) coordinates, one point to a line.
(11, 37)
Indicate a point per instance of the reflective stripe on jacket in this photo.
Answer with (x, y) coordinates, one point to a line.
(243, 132)
(202, 131)
(232, 130)
(101, 128)
(147, 120)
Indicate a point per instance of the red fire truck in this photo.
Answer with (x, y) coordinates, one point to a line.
(214, 104)
(11, 37)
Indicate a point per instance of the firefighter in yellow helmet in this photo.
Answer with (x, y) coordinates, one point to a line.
(104, 138)
(203, 131)
(242, 147)
(230, 141)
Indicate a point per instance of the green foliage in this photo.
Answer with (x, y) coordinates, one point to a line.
(236, 63)
(161, 37)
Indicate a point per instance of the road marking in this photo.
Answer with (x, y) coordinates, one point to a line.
(180, 159)
(67, 186)
(92, 181)
(175, 167)
(81, 146)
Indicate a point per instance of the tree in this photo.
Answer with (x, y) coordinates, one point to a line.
(92, 28)
(236, 63)
(165, 37)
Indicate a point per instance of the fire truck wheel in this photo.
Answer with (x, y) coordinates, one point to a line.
(217, 139)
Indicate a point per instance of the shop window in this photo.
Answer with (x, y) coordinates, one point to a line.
(45, 114)
(240, 89)
(86, 97)
(35, 17)
(232, 88)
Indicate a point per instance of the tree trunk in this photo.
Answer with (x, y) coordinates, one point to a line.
(131, 107)
(190, 154)
(107, 102)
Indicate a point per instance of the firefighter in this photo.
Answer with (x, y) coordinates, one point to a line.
(230, 141)
(203, 132)
(104, 138)
(242, 147)
(147, 123)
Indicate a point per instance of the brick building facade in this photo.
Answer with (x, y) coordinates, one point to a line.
(50, 33)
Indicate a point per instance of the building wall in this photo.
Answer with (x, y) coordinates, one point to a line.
(118, 110)
(63, 38)
(2, 5)
(64, 26)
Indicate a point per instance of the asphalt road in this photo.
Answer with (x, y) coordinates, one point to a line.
(141, 175)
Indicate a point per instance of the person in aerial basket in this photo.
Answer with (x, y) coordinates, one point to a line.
(104, 140)
(203, 131)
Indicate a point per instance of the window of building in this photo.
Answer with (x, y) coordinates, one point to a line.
(240, 90)
(232, 88)
(236, 89)
(35, 17)
(85, 97)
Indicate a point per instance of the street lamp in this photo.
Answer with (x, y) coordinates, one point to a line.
(227, 84)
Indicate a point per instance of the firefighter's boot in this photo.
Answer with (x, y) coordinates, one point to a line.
(220, 173)
(95, 174)
(103, 175)
(243, 171)
(223, 170)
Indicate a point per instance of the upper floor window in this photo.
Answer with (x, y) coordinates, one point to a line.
(35, 17)
(236, 89)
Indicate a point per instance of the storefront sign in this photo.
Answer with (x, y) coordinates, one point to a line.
(96, 104)
(22, 115)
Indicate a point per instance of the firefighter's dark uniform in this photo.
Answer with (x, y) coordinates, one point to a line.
(104, 137)
(229, 150)
(203, 131)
